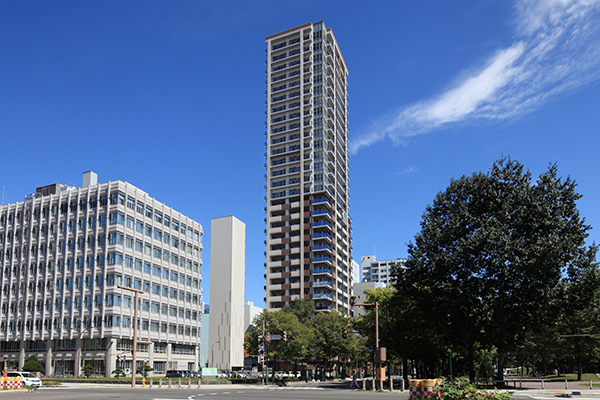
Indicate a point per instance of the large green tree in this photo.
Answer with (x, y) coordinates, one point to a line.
(491, 251)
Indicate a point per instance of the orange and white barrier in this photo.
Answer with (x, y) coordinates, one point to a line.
(422, 388)
(11, 383)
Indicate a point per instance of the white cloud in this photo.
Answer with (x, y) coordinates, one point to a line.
(556, 49)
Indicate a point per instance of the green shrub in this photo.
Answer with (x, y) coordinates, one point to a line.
(460, 389)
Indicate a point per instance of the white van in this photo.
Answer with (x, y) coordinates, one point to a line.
(27, 378)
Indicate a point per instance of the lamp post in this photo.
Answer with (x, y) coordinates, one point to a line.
(135, 321)
(377, 348)
(78, 352)
(212, 350)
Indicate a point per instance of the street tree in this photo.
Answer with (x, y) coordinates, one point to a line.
(329, 346)
(491, 250)
(33, 365)
(578, 297)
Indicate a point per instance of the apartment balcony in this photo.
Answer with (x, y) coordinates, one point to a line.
(322, 271)
(275, 253)
(276, 230)
(322, 248)
(276, 219)
(324, 213)
(322, 284)
(322, 296)
(278, 207)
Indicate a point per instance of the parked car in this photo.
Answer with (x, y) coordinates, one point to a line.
(27, 378)
(222, 374)
(175, 373)
(194, 374)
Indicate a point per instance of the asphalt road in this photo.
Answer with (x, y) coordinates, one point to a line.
(233, 393)
(312, 391)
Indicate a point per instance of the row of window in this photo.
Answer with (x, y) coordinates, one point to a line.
(115, 198)
(109, 321)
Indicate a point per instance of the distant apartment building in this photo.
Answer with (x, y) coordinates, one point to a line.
(359, 289)
(63, 253)
(308, 228)
(378, 271)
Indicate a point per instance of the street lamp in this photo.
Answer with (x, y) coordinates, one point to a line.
(135, 321)
(378, 350)
(78, 353)
(212, 350)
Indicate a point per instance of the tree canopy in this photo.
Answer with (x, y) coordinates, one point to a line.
(32, 364)
(313, 337)
(487, 262)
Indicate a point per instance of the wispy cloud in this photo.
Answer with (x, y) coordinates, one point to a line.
(406, 171)
(556, 49)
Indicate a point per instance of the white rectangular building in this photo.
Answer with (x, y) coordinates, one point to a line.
(63, 252)
(227, 280)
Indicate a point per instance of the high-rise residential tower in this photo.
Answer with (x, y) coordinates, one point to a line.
(308, 244)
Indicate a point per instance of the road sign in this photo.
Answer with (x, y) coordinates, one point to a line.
(261, 346)
(275, 337)
(268, 337)
(261, 351)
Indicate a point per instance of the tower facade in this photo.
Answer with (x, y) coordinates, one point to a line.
(308, 228)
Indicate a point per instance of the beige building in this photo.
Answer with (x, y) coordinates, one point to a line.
(227, 279)
(63, 252)
(308, 228)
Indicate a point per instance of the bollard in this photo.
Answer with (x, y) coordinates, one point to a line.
(590, 384)
(373, 385)
(189, 383)
(143, 382)
(391, 384)
(151, 383)
(169, 383)
(199, 382)
(160, 383)
(362, 384)
(542, 384)
(402, 384)
(179, 387)
(566, 384)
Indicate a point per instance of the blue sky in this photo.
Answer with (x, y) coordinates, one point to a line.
(169, 96)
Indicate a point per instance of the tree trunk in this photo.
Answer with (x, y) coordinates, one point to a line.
(500, 372)
(471, 363)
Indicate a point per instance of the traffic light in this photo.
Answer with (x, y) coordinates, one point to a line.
(284, 336)
(344, 333)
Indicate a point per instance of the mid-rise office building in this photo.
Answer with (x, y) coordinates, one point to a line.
(63, 253)
(308, 228)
